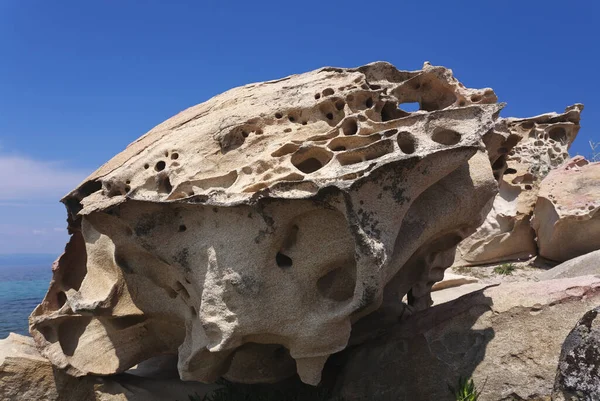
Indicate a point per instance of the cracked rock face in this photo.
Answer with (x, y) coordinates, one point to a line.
(566, 217)
(578, 374)
(254, 229)
(538, 145)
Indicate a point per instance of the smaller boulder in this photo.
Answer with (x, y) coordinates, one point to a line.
(578, 376)
(584, 265)
(566, 218)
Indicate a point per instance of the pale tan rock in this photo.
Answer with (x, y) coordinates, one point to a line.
(566, 218)
(584, 265)
(277, 213)
(508, 338)
(452, 293)
(453, 280)
(538, 144)
(26, 376)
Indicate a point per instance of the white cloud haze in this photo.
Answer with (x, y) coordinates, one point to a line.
(23, 178)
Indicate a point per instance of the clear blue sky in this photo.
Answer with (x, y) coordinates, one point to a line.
(79, 80)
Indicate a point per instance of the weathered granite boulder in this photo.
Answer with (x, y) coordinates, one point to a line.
(584, 265)
(538, 144)
(508, 338)
(578, 376)
(275, 214)
(567, 218)
(25, 375)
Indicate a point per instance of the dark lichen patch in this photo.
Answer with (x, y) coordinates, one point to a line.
(183, 259)
(146, 223)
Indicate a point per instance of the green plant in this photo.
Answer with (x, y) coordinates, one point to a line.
(466, 390)
(505, 269)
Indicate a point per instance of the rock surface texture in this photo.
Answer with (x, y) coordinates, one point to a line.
(538, 144)
(261, 224)
(578, 376)
(584, 265)
(567, 218)
(508, 338)
(26, 376)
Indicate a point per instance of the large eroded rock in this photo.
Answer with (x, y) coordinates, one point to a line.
(567, 217)
(508, 338)
(259, 225)
(538, 144)
(26, 376)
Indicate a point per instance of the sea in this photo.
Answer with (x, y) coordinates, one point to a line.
(24, 280)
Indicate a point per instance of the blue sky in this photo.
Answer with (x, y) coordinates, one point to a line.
(79, 80)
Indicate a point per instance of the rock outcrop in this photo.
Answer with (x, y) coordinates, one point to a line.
(508, 338)
(267, 220)
(578, 376)
(567, 218)
(538, 144)
(584, 265)
(26, 375)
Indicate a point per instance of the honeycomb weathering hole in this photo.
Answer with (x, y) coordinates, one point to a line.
(309, 160)
(350, 127)
(406, 142)
(559, 134)
(339, 283)
(446, 136)
(283, 260)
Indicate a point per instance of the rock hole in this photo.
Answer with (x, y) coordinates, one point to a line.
(510, 171)
(287, 130)
(278, 115)
(329, 116)
(339, 283)
(328, 92)
(164, 184)
(291, 118)
(445, 136)
(391, 112)
(317, 96)
(527, 125)
(390, 132)
(339, 105)
(61, 298)
(309, 165)
(160, 166)
(283, 261)
(309, 160)
(125, 322)
(475, 98)
(182, 228)
(528, 187)
(127, 188)
(559, 134)
(245, 134)
(175, 156)
(350, 127)
(410, 106)
(369, 103)
(146, 166)
(406, 142)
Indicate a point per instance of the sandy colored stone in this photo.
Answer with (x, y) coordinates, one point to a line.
(25, 375)
(508, 338)
(587, 264)
(538, 145)
(275, 214)
(566, 218)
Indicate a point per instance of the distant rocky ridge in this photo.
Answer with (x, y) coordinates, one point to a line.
(297, 228)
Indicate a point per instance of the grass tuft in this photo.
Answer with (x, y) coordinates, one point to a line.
(505, 269)
(466, 390)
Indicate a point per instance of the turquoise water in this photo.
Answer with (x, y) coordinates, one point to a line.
(23, 283)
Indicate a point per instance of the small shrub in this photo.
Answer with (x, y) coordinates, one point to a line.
(466, 390)
(505, 269)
